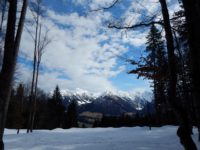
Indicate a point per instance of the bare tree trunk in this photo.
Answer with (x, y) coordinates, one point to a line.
(192, 13)
(184, 128)
(35, 99)
(21, 108)
(40, 44)
(7, 68)
(32, 93)
(39, 55)
(187, 104)
(10, 56)
(33, 84)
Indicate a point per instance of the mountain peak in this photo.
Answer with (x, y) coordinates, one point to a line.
(108, 102)
(129, 95)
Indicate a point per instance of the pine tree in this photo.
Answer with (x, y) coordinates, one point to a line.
(56, 109)
(154, 67)
(184, 78)
(57, 97)
(71, 115)
(19, 120)
(15, 117)
(156, 55)
(11, 110)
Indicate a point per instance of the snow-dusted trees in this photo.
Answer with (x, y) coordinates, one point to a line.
(11, 48)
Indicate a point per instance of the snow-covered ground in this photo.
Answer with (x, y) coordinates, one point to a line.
(137, 138)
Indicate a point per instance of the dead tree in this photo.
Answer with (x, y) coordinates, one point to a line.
(11, 48)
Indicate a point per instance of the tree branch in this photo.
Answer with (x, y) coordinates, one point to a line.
(107, 7)
(141, 24)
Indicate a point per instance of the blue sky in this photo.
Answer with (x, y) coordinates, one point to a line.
(84, 53)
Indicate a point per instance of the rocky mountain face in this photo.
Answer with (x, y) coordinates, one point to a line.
(107, 103)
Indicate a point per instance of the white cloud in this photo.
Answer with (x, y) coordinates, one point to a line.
(76, 52)
(84, 52)
(94, 4)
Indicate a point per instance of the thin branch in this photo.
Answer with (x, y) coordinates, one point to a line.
(29, 32)
(107, 7)
(142, 24)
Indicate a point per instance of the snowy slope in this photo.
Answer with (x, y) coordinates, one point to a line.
(84, 97)
(96, 139)
(108, 103)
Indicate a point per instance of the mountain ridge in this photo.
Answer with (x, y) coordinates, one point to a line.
(107, 103)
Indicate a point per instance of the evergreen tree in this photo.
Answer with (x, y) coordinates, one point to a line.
(155, 48)
(57, 97)
(56, 109)
(11, 110)
(71, 115)
(154, 67)
(184, 78)
(15, 118)
(19, 120)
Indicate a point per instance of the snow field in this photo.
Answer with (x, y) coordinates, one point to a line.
(136, 138)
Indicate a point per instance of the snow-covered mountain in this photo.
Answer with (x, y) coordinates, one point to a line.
(108, 103)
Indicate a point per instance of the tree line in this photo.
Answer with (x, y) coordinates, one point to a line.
(51, 112)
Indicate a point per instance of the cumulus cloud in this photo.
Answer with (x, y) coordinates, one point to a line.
(81, 51)
(84, 52)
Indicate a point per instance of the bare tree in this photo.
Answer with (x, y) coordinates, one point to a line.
(40, 42)
(11, 48)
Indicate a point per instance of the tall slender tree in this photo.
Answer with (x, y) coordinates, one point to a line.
(192, 14)
(11, 48)
(184, 79)
(19, 104)
(71, 115)
(154, 66)
(40, 43)
(56, 109)
(155, 47)
(184, 128)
